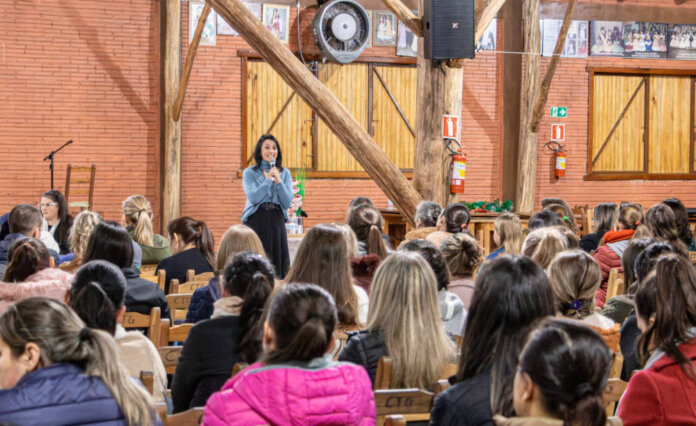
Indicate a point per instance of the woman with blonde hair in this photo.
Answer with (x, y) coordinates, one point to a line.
(575, 277)
(404, 318)
(463, 256)
(507, 235)
(137, 218)
(543, 244)
(79, 237)
(237, 239)
(54, 368)
(604, 216)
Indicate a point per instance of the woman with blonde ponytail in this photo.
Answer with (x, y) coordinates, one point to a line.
(53, 368)
(137, 218)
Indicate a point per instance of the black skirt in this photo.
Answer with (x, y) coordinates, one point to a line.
(269, 225)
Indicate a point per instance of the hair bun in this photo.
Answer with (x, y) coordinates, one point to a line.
(582, 390)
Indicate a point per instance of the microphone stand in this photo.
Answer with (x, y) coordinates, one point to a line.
(52, 154)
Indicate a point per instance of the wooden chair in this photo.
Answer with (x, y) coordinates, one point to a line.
(583, 213)
(170, 357)
(160, 279)
(383, 374)
(395, 420)
(190, 417)
(615, 284)
(151, 322)
(83, 178)
(341, 337)
(148, 269)
(205, 276)
(612, 394)
(616, 366)
(178, 305)
(441, 386)
(147, 378)
(187, 287)
(239, 366)
(174, 333)
(692, 256)
(413, 404)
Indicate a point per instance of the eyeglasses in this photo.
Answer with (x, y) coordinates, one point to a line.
(48, 204)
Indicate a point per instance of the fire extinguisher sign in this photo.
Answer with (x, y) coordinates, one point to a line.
(449, 127)
(558, 132)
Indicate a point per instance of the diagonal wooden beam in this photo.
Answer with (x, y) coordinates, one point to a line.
(551, 70)
(370, 156)
(486, 15)
(413, 22)
(188, 66)
(396, 104)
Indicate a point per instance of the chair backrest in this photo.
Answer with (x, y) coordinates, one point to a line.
(341, 337)
(383, 374)
(190, 417)
(395, 420)
(205, 276)
(148, 269)
(615, 284)
(187, 287)
(160, 279)
(174, 333)
(441, 386)
(616, 366)
(585, 219)
(150, 322)
(79, 185)
(403, 402)
(170, 357)
(178, 305)
(147, 378)
(612, 394)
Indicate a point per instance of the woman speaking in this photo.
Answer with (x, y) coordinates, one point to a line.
(268, 188)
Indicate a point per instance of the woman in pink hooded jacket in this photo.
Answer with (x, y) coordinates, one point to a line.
(296, 382)
(31, 273)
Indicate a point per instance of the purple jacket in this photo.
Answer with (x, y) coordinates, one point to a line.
(322, 391)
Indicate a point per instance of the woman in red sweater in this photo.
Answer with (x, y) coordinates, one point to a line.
(665, 391)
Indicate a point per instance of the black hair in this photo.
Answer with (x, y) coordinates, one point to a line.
(257, 152)
(24, 218)
(194, 231)
(570, 364)
(98, 291)
(251, 277)
(457, 217)
(303, 317)
(682, 218)
(109, 241)
(66, 219)
(646, 260)
(511, 292)
(434, 258)
(543, 219)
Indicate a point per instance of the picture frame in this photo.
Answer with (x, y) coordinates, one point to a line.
(407, 42)
(383, 28)
(208, 38)
(223, 28)
(276, 18)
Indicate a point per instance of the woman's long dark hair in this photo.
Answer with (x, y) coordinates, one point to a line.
(249, 276)
(303, 317)
(66, 219)
(97, 293)
(511, 292)
(570, 363)
(682, 218)
(196, 232)
(257, 152)
(27, 257)
(109, 241)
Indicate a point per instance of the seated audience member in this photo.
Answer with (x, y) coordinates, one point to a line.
(507, 235)
(619, 307)
(664, 392)
(548, 202)
(233, 335)
(237, 239)
(682, 218)
(57, 219)
(298, 335)
(111, 242)
(97, 296)
(404, 320)
(609, 254)
(322, 259)
(561, 376)
(512, 292)
(543, 244)
(55, 369)
(367, 224)
(358, 202)
(24, 221)
(575, 276)
(427, 214)
(79, 236)
(572, 240)
(452, 311)
(566, 216)
(604, 217)
(662, 224)
(454, 219)
(544, 219)
(192, 245)
(463, 256)
(363, 267)
(137, 218)
(31, 273)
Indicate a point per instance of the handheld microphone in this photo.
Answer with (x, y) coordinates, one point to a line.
(272, 162)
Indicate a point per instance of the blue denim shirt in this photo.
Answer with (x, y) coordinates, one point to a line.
(260, 190)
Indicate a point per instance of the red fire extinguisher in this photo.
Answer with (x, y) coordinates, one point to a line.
(559, 170)
(458, 172)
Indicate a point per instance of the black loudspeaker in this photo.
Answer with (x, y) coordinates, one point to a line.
(449, 29)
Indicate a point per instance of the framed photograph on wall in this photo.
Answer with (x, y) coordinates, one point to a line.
(407, 43)
(682, 41)
(223, 28)
(383, 28)
(488, 39)
(645, 40)
(576, 44)
(607, 38)
(277, 19)
(208, 38)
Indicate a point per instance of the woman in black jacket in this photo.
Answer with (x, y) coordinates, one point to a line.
(604, 217)
(232, 335)
(511, 293)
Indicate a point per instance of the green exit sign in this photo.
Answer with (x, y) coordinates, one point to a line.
(559, 112)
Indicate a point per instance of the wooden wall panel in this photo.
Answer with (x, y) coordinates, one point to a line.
(349, 84)
(267, 93)
(624, 151)
(391, 132)
(670, 108)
